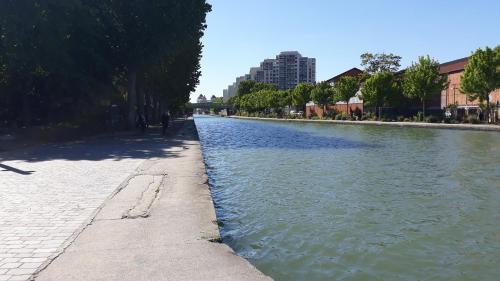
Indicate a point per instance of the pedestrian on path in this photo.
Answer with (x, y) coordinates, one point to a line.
(140, 122)
(165, 119)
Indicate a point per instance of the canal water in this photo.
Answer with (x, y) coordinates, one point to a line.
(339, 202)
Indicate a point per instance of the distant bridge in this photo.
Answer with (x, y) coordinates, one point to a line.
(210, 105)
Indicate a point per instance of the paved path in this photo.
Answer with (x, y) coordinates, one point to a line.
(161, 225)
(49, 192)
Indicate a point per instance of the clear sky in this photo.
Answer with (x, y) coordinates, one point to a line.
(242, 33)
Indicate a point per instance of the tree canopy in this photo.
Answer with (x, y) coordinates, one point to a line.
(422, 80)
(482, 74)
(346, 88)
(378, 88)
(322, 94)
(382, 62)
(301, 95)
(68, 60)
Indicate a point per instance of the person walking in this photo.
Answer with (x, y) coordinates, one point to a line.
(140, 122)
(165, 119)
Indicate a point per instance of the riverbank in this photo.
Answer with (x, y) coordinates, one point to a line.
(473, 127)
(159, 225)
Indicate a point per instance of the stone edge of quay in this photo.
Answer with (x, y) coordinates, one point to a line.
(488, 128)
(212, 205)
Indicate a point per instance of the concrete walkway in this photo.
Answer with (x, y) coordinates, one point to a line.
(161, 225)
(473, 127)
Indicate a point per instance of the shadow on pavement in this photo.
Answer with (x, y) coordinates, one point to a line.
(148, 145)
(7, 168)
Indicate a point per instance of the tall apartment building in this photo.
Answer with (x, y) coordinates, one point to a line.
(285, 71)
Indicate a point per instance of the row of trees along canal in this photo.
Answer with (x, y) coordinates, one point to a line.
(69, 60)
(382, 84)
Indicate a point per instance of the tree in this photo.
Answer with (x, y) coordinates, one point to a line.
(246, 87)
(481, 75)
(250, 86)
(322, 94)
(422, 80)
(382, 62)
(345, 89)
(302, 95)
(274, 100)
(144, 31)
(263, 86)
(66, 60)
(285, 98)
(218, 100)
(378, 88)
(497, 62)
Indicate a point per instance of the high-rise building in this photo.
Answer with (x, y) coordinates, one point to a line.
(285, 71)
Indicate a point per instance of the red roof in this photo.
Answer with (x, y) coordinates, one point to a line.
(453, 66)
(351, 72)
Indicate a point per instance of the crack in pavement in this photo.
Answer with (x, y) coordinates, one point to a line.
(142, 208)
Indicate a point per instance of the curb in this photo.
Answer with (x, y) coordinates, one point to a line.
(488, 128)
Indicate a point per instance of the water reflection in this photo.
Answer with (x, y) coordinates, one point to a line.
(227, 135)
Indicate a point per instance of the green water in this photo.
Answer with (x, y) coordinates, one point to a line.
(327, 202)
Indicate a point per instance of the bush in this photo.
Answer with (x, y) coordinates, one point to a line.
(419, 117)
(473, 119)
(431, 119)
(313, 115)
(330, 114)
(342, 116)
(370, 116)
(272, 115)
(400, 118)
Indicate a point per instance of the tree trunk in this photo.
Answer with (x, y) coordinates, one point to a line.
(348, 109)
(423, 109)
(155, 108)
(132, 96)
(488, 108)
(26, 117)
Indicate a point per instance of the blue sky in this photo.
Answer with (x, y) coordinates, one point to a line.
(242, 33)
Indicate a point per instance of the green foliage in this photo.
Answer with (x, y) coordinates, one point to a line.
(473, 119)
(262, 98)
(322, 94)
(431, 119)
(245, 87)
(420, 117)
(369, 116)
(379, 88)
(263, 86)
(61, 60)
(482, 74)
(249, 86)
(330, 114)
(497, 63)
(346, 88)
(422, 80)
(302, 94)
(285, 97)
(374, 63)
(218, 100)
(342, 116)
